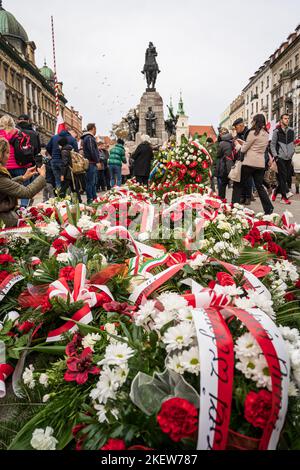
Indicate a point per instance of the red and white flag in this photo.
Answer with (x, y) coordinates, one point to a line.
(60, 124)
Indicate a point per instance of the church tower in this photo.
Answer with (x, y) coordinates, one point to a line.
(182, 127)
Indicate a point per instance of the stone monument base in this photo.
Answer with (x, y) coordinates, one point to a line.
(152, 99)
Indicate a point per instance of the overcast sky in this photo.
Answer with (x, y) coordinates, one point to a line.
(207, 48)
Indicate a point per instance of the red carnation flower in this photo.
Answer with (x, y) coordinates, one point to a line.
(3, 241)
(297, 285)
(68, 273)
(198, 179)
(274, 248)
(92, 234)
(80, 367)
(60, 245)
(193, 164)
(225, 279)
(193, 173)
(114, 444)
(205, 165)
(258, 408)
(176, 258)
(5, 259)
(178, 418)
(267, 237)
(3, 275)
(289, 297)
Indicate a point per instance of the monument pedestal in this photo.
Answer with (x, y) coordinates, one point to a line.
(152, 99)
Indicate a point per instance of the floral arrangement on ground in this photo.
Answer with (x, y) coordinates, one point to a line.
(119, 332)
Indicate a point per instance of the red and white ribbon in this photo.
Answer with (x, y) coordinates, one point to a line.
(80, 292)
(5, 371)
(216, 378)
(269, 338)
(8, 283)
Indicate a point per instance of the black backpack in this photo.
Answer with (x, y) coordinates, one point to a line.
(24, 150)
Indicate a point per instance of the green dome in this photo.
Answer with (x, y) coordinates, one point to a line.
(47, 73)
(10, 27)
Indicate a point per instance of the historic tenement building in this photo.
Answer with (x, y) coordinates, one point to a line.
(24, 88)
(274, 89)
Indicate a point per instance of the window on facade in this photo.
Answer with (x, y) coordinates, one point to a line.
(256, 106)
(5, 74)
(247, 99)
(267, 100)
(262, 87)
(262, 103)
(256, 90)
(252, 108)
(268, 82)
(296, 60)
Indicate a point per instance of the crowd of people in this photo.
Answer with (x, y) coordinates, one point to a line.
(263, 164)
(68, 164)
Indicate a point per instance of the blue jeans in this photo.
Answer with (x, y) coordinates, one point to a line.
(56, 166)
(91, 182)
(20, 172)
(115, 175)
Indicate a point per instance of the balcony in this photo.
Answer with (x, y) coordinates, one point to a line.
(285, 74)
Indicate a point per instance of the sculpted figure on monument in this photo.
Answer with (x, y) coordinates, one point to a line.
(151, 123)
(151, 68)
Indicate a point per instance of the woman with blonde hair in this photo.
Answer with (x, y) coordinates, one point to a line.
(9, 131)
(11, 189)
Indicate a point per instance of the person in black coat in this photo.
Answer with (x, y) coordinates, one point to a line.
(225, 160)
(142, 160)
(25, 126)
(70, 182)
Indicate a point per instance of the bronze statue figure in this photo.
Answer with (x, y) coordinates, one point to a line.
(151, 123)
(151, 68)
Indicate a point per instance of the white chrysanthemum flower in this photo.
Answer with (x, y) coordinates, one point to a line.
(293, 390)
(46, 398)
(185, 314)
(90, 340)
(174, 363)
(64, 257)
(122, 374)
(85, 223)
(246, 346)
(106, 387)
(145, 313)
(244, 303)
(43, 439)
(44, 380)
(172, 301)
(198, 262)
(232, 291)
(295, 359)
(162, 319)
(117, 354)
(261, 301)
(290, 334)
(191, 360)
(51, 230)
(101, 413)
(261, 373)
(178, 337)
(28, 377)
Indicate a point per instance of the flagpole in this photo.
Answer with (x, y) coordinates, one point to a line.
(55, 70)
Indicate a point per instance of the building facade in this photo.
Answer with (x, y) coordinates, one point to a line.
(24, 88)
(274, 89)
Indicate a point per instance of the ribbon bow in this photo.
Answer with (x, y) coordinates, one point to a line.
(81, 292)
